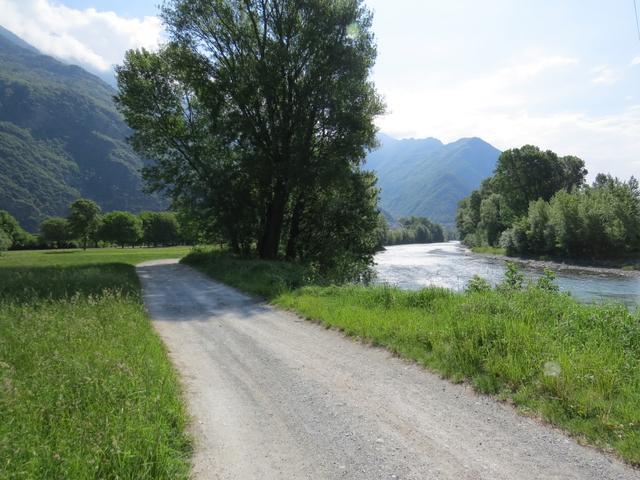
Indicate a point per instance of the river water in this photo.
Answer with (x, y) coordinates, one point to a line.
(451, 265)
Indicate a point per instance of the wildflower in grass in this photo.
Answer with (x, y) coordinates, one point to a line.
(552, 369)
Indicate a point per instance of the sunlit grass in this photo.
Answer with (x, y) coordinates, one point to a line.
(86, 388)
(130, 256)
(575, 365)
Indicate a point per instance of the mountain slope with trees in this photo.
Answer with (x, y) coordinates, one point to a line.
(426, 178)
(61, 137)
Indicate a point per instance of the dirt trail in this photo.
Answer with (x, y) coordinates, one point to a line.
(276, 397)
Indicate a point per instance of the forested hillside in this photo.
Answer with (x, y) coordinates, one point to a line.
(427, 178)
(61, 137)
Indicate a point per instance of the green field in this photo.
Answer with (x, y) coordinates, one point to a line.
(86, 388)
(576, 366)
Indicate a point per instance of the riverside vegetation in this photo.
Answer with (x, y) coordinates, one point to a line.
(86, 388)
(537, 203)
(574, 365)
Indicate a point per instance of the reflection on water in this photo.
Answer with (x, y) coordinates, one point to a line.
(451, 265)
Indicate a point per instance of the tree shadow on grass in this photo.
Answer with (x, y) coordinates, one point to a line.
(29, 284)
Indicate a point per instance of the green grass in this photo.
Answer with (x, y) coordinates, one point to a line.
(86, 388)
(259, 277)
(576, 366)
(489, 250)
(54, 258)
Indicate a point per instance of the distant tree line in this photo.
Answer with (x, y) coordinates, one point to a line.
(87, 226)
(539, 203)
(412, 230)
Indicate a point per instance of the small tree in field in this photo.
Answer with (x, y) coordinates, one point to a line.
(84, 220)
(55, 231)
(121, 228)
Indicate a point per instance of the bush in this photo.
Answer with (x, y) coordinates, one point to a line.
(547, 281)
(5, 241)
(478, 284)
(514, 240)
(513, 280)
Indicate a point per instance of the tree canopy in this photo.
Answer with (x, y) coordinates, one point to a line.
(14, 235)
(258, 115)
(538, 203)
(160, 228)
(527, 174)
(55, 230)
(84, 219)
(601, 220)
(414, 230)
(121, 228)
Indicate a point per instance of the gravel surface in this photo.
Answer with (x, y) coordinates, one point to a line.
(276, 397)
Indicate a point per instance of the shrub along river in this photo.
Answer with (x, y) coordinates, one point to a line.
(451, 265)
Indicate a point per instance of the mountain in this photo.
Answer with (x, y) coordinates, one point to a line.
(61, 138)
(427, 178)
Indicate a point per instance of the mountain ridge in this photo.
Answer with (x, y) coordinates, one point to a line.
(426, 177)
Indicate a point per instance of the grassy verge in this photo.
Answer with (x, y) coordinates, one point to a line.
(577, 366)
(489, 250)
(625, 262)
(86, 388)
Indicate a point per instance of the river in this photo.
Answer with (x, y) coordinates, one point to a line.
(451, 265)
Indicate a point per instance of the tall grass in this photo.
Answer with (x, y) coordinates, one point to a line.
(86, 388)
(577, 366)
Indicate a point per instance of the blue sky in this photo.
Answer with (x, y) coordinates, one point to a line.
(561, 74)
(125, 8)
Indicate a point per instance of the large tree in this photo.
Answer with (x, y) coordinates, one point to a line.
(254, 111)
(524, 175)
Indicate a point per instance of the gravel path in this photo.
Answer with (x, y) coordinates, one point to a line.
(277, 397)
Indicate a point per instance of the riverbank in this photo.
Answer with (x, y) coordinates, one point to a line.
(629, 266)
(86, 387)
(573, 365)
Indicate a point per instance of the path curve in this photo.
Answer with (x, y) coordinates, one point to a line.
(277, 397)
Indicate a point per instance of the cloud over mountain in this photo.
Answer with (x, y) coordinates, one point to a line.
(93, 39)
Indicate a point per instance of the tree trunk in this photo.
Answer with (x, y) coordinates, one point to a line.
(294, 230)
(235, 244)
(270, 243)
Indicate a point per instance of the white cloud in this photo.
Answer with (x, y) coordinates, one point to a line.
(96, 40)
(635, 61)
(516, 105)
(603, 75)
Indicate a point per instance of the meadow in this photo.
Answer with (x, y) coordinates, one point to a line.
(576, 366)
(86, 387)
